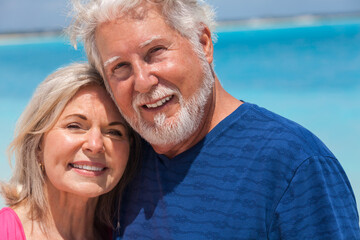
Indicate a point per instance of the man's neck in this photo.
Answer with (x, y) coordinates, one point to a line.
(220, 105)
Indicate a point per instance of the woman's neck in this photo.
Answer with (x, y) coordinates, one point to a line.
(68, 217)
(72, 217)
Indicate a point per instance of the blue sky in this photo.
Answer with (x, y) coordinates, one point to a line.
(35, 15)
(234, 9)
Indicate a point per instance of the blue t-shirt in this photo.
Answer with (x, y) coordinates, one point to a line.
(256, 175)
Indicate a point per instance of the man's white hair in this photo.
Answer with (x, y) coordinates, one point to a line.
(188, 17)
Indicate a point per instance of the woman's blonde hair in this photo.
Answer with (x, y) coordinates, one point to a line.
(42, 112)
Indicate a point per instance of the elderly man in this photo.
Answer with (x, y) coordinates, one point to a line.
(213, 167)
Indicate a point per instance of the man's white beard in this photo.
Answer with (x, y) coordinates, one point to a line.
(184, 123)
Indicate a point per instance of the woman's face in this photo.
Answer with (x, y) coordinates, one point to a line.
(87, 150)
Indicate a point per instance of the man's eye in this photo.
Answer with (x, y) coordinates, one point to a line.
(120, 65)
(122, 70)
(157, 49)
(154, 53)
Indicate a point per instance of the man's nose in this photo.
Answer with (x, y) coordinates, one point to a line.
(144, 77)
(94, 142)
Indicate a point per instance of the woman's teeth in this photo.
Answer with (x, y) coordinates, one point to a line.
(87, 167)
(158, 103)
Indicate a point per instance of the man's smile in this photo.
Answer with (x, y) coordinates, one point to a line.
(158, 103)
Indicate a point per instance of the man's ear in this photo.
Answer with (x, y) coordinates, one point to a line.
(207, 44)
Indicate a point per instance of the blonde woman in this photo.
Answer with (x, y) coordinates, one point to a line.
(74, 154)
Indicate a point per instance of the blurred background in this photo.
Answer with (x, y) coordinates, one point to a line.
(49, 15)
(300, 59)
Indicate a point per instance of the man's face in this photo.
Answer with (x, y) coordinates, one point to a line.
(156, 77)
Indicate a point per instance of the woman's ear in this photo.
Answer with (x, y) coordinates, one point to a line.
(207, 44)
(39, 151)
(40, 157)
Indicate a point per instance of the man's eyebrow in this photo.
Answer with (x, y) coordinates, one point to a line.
(141, 45)
(107, 62)
(147, 42)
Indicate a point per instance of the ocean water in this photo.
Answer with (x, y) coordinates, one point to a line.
(308, 73)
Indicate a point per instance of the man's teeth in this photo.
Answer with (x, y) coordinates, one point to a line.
(158, 103)
(88, 168)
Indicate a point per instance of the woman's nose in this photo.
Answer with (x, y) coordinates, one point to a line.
(94, 142)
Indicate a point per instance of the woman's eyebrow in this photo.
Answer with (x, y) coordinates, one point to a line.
(116, 123)
(76, 115)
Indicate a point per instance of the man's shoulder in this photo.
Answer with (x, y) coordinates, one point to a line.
(263, 120)
(264, 127)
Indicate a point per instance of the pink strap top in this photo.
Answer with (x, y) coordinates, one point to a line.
(10, 225)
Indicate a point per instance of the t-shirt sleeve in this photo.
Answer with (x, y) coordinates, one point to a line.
(10, 225)
(317, 204)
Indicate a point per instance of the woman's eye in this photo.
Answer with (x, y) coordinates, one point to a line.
(73, 126)
(115, 133)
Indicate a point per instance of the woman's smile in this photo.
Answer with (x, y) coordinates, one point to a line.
(88, 168)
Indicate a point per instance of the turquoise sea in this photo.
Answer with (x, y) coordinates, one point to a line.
(306, 71)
